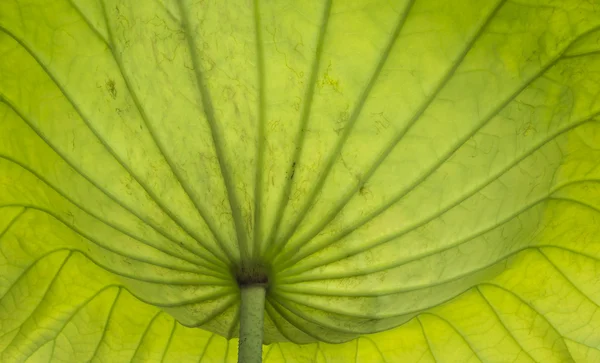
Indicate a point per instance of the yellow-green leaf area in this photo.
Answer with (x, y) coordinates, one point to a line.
(414, 180)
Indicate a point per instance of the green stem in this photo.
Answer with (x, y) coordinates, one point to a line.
(252, 315)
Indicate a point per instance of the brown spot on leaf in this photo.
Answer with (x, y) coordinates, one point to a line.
(111, 88)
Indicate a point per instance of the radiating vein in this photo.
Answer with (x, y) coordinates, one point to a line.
(271, 315)
(144, 333)
(161, 148)
(88, 22)
(304, 299)
(181, 303)
(82, 305)
(294, 276)
(252, 249)
(67, 160)
(301, 132)
(279, 310)
(226, 351)
(232, 300)
(258, 178)
(162, 358)
(218, 141)
(282, 353)
(580, 343)
(567, 279)
(234, 322)
(372, 292)
(190, 301)
(158, 304)
(217, 264)
(311, 319)
(105, 329)
(307, 294)
(296, 255)
(501, 321)
(575, 201)
(268, 352)
(108, 248)
(376, 347)
(463, 338)
(205, 349)
(347, 129)
(25, 271)
(427, 339)
(12, 222)
(90, 212)
(583, 54)
(50, 286)
(164, 281)
(390, 147)
(530, 306)
(317, 352)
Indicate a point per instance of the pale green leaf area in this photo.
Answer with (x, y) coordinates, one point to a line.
(419, 180)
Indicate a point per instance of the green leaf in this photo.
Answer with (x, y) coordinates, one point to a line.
(418, 180)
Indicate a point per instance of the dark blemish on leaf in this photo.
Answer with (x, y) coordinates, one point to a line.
(328, 80)
(528, 130)
(365, 192)
(293, 170)
(382, 123)
(112, 90)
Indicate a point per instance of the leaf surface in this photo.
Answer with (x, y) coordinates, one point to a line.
(420, 179)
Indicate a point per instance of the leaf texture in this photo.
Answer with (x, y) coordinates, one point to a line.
(420, 179)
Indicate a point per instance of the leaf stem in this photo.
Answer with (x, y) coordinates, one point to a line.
(251, 323)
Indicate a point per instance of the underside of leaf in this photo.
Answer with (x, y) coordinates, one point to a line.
(409, 180)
